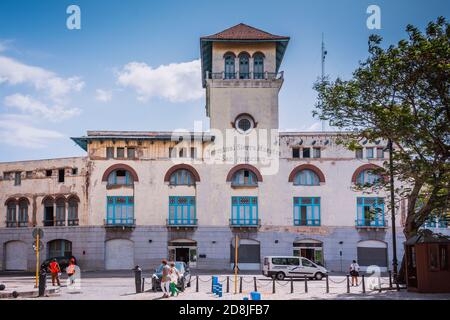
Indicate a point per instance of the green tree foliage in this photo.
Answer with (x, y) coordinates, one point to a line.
(401, 93)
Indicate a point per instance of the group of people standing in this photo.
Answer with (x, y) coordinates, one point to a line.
(169, 279)
(55, 271)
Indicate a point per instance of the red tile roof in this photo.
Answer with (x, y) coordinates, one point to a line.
(244, 32)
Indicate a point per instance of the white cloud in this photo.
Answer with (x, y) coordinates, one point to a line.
(103, 95)
(15, 72)
(17, 131)
(176, 82)
(29, 105)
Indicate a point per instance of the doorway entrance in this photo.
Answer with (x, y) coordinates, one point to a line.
(183, 250)
(309, 249)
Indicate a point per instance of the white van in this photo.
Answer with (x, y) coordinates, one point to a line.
(280, 267)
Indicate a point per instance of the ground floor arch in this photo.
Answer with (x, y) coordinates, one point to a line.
(310, 249)
(184, 250)
(59, 248)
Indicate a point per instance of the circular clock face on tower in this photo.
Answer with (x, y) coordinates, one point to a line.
(244, 123)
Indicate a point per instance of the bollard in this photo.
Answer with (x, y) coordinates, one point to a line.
(273, 285)
(254, 282)
(390, 279)
(348, 284)
(363, 284)
(212, 284)
(196, 284)
(228, 284)
(42, 282)
(306, 284)
(138, 278)
(2, 287)
(240, 285)
(143, 285)
(292, 285)
(328, 285)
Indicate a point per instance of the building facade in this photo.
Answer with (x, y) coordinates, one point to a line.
(138, 197)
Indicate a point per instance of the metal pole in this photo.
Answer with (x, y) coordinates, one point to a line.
(348, 284)
(292, 285)
(390, 278)
(273, 285)
(196, 285)
(236, 241)
(228, 284)
(328, 285)
(306, 284)
(394, 239)
(363, 284)
(240, 285)
(254, 281)
(37, 258)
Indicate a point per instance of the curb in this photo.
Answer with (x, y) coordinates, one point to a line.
(26, 294)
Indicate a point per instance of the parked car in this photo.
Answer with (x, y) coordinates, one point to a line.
(62, 261)
(183, 281)
(279, 267)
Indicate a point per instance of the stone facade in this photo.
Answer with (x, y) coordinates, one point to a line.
(148, 157)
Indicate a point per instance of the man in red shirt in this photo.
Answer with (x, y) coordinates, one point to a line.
(55, 270)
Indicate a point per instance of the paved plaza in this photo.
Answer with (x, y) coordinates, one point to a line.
(121, 286)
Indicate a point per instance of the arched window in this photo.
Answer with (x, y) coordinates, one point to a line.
(60, 212)
(367, 177)
(120, 177)
(11, 217)
(72, 212)
(230, 72)
(244, 68)
(244, 177)
(306, 177)
(182, 177)
(23, 213)
(258, 66)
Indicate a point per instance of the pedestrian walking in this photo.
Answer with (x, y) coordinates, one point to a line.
(71, 271)
(354, 272)
(165, 279)
(55, 271)
(173, 275)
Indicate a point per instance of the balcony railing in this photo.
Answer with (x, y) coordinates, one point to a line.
(245, 76)
(120, 222)
(181, 222)
(73, 222)
(365, 223)
(307, 222)
(245, 222)
(16, 224)
(442, 224)
(53, 223)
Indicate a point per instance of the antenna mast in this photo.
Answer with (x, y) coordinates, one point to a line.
(324, 53)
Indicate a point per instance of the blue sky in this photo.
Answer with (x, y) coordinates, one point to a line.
(117, 71)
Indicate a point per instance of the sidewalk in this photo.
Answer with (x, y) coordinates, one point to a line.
(120, 286)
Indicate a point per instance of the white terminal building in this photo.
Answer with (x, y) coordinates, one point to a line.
(138, 197)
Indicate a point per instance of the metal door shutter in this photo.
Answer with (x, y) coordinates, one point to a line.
(16, 256)
(119, 254)
(372, 256)
(248, 253)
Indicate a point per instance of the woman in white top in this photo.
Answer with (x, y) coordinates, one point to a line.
(354, 272)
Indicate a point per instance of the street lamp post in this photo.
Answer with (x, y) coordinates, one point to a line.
(394, 239)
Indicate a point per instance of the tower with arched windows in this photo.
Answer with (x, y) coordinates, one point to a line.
(242, 78)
